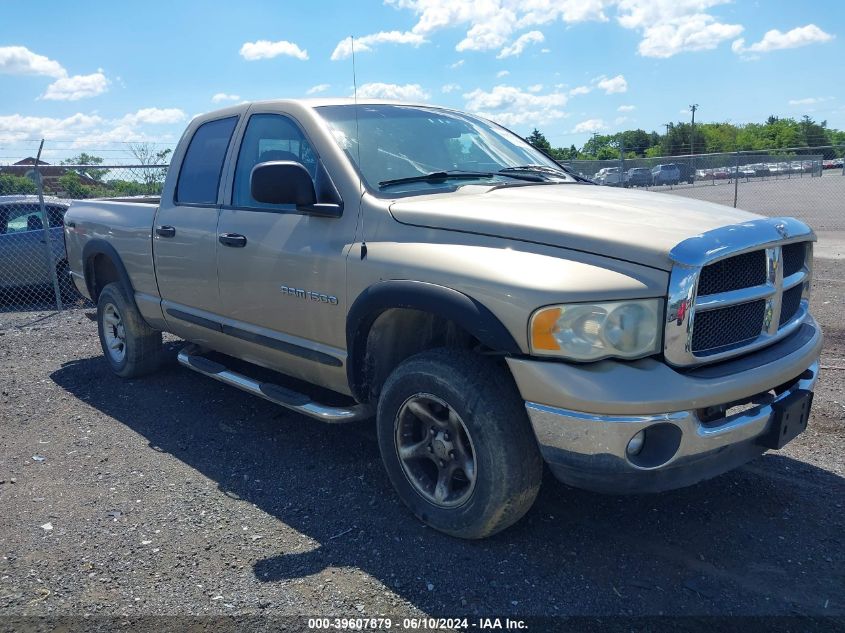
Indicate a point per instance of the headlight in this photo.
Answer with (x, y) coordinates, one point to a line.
(592, 331)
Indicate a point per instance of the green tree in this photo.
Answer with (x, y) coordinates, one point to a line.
(12, 184)
(71, 185)
(539, 140)
(87, 159)
(148, 155)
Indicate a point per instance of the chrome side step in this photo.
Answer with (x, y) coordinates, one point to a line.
(276, 394)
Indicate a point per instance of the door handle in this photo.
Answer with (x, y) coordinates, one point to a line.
(235, 240)
(165, 231)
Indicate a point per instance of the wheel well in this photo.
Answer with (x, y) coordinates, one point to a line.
(100, 271)
(399, 333)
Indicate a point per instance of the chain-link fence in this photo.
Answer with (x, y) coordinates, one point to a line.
(34, 197)
(799, 182)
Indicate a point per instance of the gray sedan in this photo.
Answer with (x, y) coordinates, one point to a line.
(24, 260)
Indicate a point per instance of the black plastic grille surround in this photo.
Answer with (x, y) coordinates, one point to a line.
(734, 325)
(793, 256)
(790, 304)
(733, 273)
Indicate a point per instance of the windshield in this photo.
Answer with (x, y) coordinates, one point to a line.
(400, 142)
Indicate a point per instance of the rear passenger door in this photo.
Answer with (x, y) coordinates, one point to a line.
(185, 230)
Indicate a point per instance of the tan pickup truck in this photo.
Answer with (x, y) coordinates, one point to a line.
(488, 309)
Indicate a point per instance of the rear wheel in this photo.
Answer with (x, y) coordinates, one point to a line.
(457, 443)
(131, 347)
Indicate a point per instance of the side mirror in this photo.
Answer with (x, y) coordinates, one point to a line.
(288, 182)
(281, 182)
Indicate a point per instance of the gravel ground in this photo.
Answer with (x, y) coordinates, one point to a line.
(175, 494)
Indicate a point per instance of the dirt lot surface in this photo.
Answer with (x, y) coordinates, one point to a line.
(175, 494)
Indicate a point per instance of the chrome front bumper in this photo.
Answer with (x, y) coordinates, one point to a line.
(591, 450)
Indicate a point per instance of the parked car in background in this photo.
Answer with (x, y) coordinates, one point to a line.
(721, 173)
(638, 177)
(610, 176)
(685, 173)
(668, 174)
(743, 171)
(23, 255)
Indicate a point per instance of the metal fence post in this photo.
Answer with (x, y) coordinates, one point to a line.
(736, 177)
(45, 222)
(621, 164)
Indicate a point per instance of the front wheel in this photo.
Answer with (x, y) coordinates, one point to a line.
(457, 444)
(131, 347)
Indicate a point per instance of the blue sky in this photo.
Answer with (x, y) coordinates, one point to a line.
(88, 75)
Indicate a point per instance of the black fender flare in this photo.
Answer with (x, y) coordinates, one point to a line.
(445, 302)
(101, 247)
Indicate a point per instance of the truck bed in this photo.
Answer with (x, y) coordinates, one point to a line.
(124, 225)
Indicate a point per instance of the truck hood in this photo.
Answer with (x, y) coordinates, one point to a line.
(635, 226)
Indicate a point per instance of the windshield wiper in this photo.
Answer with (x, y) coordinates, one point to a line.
(544, 169)
(442, 176)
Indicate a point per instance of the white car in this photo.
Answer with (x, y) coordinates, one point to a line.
(611, 176)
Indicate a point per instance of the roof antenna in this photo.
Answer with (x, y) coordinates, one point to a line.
(358, 146)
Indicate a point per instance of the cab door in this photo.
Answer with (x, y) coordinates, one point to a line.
(281, 272)
(185, 233)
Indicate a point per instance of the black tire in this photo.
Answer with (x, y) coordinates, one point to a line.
(141, 344)
(507, 464)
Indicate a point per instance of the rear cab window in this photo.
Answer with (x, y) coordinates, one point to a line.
(202, 166)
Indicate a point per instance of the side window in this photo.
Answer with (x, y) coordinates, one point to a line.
(199, 177)
(28, 218)
(269, 137)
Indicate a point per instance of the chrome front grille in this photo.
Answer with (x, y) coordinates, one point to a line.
(733, 325)
(737, 289)
(742, 271)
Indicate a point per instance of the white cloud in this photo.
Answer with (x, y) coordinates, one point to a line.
(590, 125)
(809, 101)
(545, 50)
(15, 127)
(406, 92)
(314, 90)
(19, 60)
(153, 116)
(613, 85)
(580, 90)
(265, 49)
(511, 106)
(457, 64)
(626, 108)
(503, 73)
(222, 96)
(620, 120)
(518, 46)
(776, 40)
(535, 88)
(87, 130)
(77, 87)
(366, 43)
(447, 88)
(667, 27)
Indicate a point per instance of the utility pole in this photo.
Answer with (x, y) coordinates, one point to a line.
(668, 127)
(692, 107)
